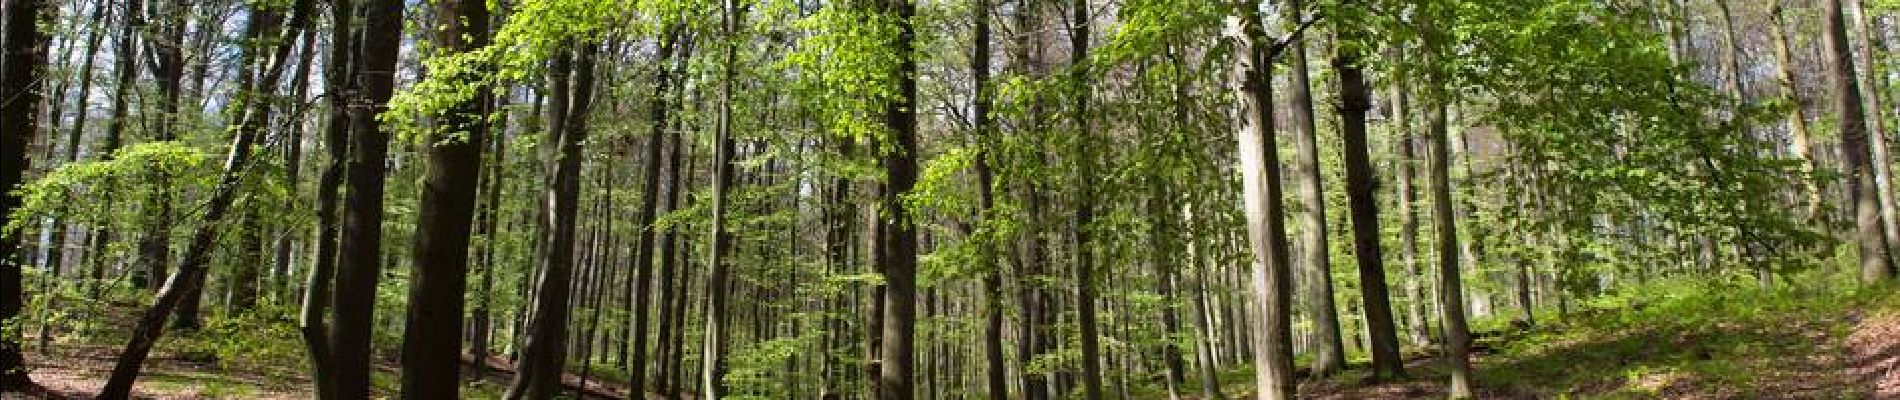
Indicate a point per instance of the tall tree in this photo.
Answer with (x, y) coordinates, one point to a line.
(996, 372)
(1798, 136)
(649, 204)
(717, 332)
(1260, 183)
(20, 84)
(1355, 100)
(360, 251)
(1085, 203)
(432, 341)
(1437, 46)
(317, 294)
(1329, 355)
(1875, 261)
(542, 360)
(897, 256)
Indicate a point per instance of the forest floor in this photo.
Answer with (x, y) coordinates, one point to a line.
(1685, 341)
(227, 359)
(1681, 341)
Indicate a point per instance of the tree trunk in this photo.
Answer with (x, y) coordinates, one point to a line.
(638, 286)
(718, 334)
(20, 83)
(155, 245)
(1438, 160)
(897, 232)
(432, 341)
(1406, 144)
(1204, 326)
(1874, 259)
(1799, 140)
(317, 294)
(294, 125)
(996, 380)
(360, 252)
(1329, 356)
(1355, 100)
(538, 372)
(1085, 205)
(1877, 135)
(126, 67)
(1266, 231)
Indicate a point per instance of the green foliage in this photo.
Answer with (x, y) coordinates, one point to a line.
(71, 191)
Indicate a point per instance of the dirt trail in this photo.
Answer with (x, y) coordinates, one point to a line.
(1875, 348)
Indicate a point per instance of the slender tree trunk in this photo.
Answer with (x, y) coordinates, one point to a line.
(481, 322)
(126, 67)
(1203, 325)
(538, 373)
(1877, 123)
(294, 125)
(154, 245)
(360, 252)
(1266, 231)
(317, 294)
(1329, 356)
(1438, 160)
(996, 379)
(1406, 144)
(1355, 100)
(1799, 138)
(718, 335)
(1874, 257)
(638, 286)
(432, 341)
(55, 254)
(1085, 205)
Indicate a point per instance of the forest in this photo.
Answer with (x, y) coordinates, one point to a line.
(949, 199)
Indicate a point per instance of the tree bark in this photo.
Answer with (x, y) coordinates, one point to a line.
(1877, 124)
(718, 334)
(649, 203)
(1438, 160)
(317, 294)
(19, 122)
(995, 374)
(538, 373)
(1266, 230)
(432, 341)
(1085, 204)
(1799, 138)
(360, 252)
(1875, 262)
(1329, 356)
(897, 232)
(1355, 100)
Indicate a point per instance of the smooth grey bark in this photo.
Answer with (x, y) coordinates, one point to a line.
(1316, 273)
(1271, 279)
(1875, 261)
(717, 333)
